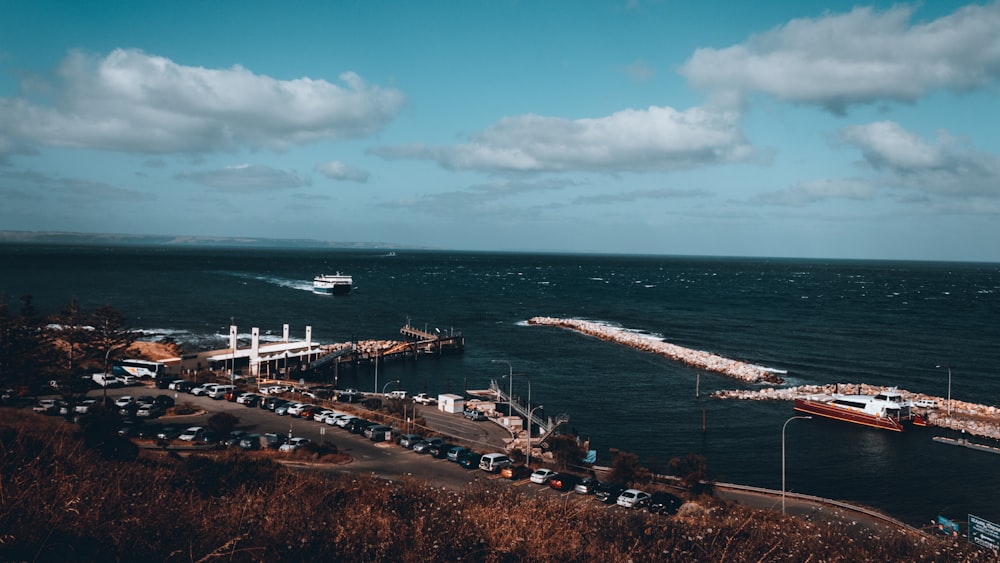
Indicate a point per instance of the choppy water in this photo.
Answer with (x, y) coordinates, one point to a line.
(887, 323)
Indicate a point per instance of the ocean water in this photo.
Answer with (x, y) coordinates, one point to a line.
(887, 323)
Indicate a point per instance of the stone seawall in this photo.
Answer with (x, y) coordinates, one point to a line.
(696, 358)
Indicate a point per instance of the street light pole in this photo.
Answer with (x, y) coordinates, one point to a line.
(387, 385)
(783, 458)
(510, 375)
(949, 390)
(531, 415)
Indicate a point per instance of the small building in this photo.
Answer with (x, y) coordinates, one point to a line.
(448, 402)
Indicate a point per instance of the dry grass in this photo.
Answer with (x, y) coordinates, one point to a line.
(62, 502)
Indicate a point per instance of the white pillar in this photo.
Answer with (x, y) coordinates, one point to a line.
(255, 351)
(284, 332)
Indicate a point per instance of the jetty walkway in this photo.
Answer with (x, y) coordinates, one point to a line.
(705, 360)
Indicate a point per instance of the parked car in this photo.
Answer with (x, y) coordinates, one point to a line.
(191, 434)
(273, 441)
(84, 406)
(128, 379)
(333, 417)
(564, 481)
(46, 406)
(345, 421)
(272, 403)
(542, 476)
(379, 433)
(202, 390)
(281, 409)
(293, 444)
(397, 395)
(440, 451)
(295, 409)
(608, 492)
(424, 399)
(633, 498)
(349, 395)
(515, 472)
(456, 452)
(309, 411)
(219, 391)
(169, 432)
(475, 414)
(664, 503)
(250, 442)
(470, 460)
(242, 397)
(358, 425)
(424, 446)
(587, 486)
(493, 463)
(233, 438)
(183, 386)
(408, 440)
(149, 410)
(164, 401)
(124, 401)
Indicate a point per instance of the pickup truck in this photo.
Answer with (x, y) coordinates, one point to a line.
(424, 399)
(475, 415)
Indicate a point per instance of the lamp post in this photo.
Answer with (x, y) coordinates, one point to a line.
(106, 355)
(387, 385)
(949, 390)
(510, 375)
(783, 458)
(531, 414)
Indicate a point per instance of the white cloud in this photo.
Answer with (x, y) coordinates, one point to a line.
(135, 102)
(638, 195)
(864, 56)
(654, 139)
(820, 190)
(947, 167)
(337, 170)
(246, 178)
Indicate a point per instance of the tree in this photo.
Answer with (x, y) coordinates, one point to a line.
(24, 346)
(692, 470)
(110, 335)
(566, 450)
(69, 336)
(625, 469)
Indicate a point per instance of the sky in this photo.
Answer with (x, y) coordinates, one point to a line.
(772, 129)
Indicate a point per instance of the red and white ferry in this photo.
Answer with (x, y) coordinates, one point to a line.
(887, 410)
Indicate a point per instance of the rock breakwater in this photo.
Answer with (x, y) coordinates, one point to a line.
(696, 358)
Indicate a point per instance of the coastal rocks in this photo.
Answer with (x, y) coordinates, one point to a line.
(696, 358)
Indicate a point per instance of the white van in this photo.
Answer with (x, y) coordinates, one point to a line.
(219, 391)
(493, 463)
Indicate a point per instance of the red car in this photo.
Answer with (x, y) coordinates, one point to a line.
(309, 411)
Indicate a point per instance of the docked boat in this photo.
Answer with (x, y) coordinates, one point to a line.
(332, 284)
(887, 410)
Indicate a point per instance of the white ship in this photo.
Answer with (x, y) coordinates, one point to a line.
(332, 284)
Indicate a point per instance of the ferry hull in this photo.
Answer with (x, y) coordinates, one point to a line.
(827, 411)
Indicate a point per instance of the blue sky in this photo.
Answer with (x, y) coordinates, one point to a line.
(791, 129)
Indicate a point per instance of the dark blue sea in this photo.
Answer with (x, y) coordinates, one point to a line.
(887, 323)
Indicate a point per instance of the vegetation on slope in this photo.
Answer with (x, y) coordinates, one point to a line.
(62, 501)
